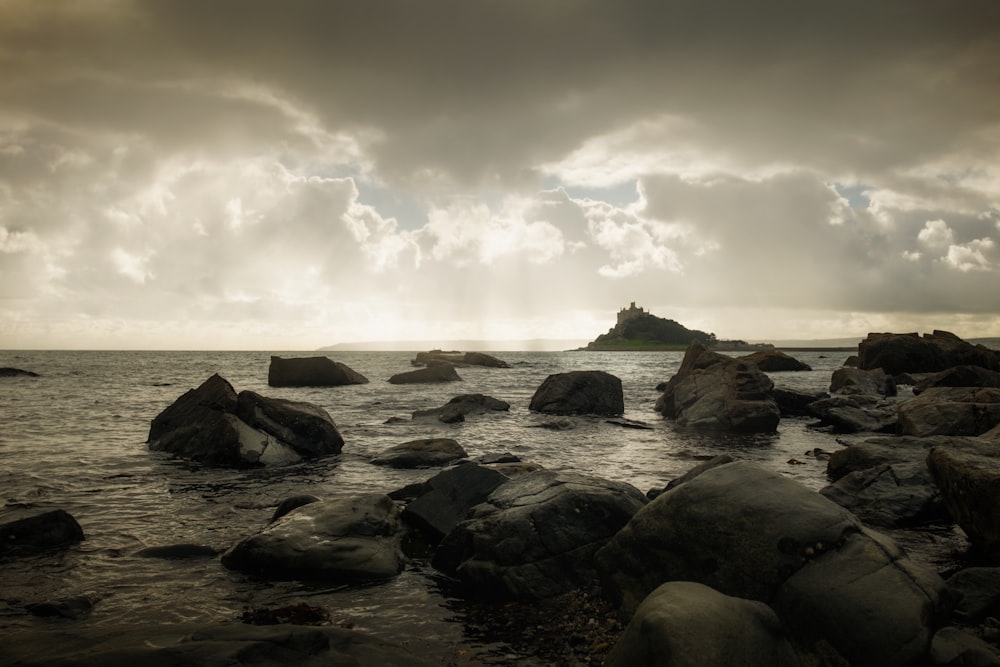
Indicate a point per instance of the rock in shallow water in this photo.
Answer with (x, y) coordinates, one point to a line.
(26, 532)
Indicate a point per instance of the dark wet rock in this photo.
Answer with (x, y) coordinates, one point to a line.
(850, 381)
(447, 497)
(855, 413)
(311, 372)
(460, 359)
(178, 551)
(976, 593)
(7, 372)
(954, 647)
(686, 624)
(878, 452)
(74, 608)
(535, 535)
(629, 423)
(715, 391)
(293, 502)
(213, 425)
(890, 495)
(958, 376)
(910, 353)
(502, 457)
(463, 405)
(437, 373)
(348, 539)
(774, 361)
(753, 533)
(968, 474)
(579, 393)
(202, 645)
(795, 403)
(713, 462)
(27, 532)
(308, 428)
(423, 453)
(950, 411)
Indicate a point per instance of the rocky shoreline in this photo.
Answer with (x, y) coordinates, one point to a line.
(571, 569)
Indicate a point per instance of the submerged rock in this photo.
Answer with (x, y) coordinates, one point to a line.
(579, 393)
(459, 359)
(311, 372)
(424, 453)
(27, 532)
(459, 407)
(349, 539)
(7, 372)
(201, 644)
(436, 373)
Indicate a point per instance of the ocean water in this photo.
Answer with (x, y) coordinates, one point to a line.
(75, 438)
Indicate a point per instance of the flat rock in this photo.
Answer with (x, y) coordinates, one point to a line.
(436, 373)
(423, 453)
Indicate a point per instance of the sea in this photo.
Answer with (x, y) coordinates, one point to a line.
(75, 438)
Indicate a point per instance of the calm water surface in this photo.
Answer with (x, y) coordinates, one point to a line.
(74, 438)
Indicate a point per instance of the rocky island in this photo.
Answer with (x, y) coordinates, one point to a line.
(637, 329)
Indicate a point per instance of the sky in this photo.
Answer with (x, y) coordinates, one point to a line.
(248, 174)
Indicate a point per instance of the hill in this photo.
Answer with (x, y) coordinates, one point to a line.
(638, 330)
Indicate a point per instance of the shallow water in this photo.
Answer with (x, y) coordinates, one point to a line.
(74, 438)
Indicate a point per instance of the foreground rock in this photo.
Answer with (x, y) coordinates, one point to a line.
(897, 354)
(201, 645)
(968, 474)
(461, 406)
(685, 624)
(715, 391)
(755, 534)
(950, 411)
(580, 393)
(424, 453)
(459, 359)
(436, 373)
(27, 532)
(535, 535)
(215, 426)
(311, 372)
(348, 539)
(855, 412)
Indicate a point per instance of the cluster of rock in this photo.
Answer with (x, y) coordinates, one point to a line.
(214, 425)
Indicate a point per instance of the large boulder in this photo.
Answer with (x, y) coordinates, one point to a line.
(448, 496)
(686, 624)
(897, 354)
(968, 474)
(753, 533)
(308, 428)
(848, 380)
(311, 372)
(580, 393)
(716, 391)
(435, 373)
(27, 532)
(214, 425)
(201, 645)
(950, 411)
(771, 361)
(535, 535)
(423, 453)
(348, 539)
(459, 407)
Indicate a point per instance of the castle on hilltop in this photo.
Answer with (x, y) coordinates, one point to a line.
(626, 314)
